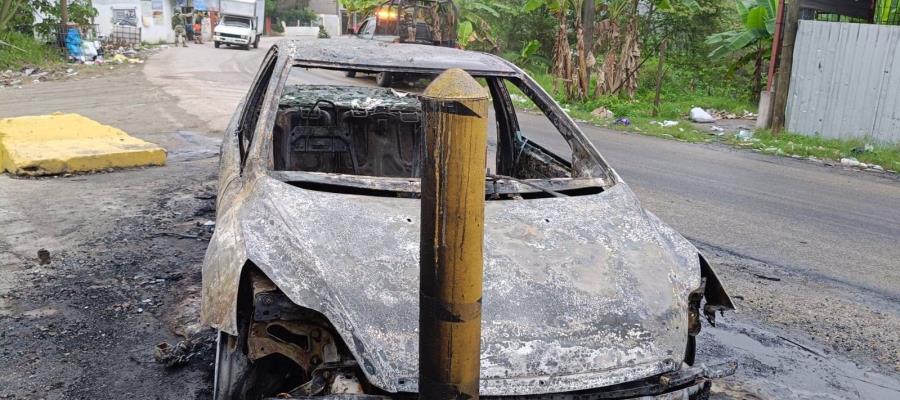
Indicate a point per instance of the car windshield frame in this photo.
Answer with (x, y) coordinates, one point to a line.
(592, 170)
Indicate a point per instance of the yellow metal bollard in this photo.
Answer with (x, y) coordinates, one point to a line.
(451, 259)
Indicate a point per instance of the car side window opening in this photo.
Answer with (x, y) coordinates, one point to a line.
(253, 105)
(529, 145)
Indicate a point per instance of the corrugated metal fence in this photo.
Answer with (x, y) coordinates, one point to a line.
(846, 81)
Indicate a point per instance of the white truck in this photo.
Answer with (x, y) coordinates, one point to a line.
(238, 24)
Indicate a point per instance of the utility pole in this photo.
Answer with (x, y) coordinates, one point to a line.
(452, 237)
(782, 87)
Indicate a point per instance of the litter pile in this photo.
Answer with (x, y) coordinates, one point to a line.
(92, 53)
(27, 74)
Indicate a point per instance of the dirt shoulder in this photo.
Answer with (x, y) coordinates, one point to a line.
(126, 249)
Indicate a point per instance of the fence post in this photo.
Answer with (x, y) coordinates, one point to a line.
(452, 235)
(779, 104)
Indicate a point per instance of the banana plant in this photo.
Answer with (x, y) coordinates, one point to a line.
(886, 10)
(474, 25)
(749, 43)
(757, 28)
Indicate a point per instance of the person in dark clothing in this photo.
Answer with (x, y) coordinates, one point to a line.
(178, 25)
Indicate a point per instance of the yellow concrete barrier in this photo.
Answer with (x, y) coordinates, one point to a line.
(63, 143)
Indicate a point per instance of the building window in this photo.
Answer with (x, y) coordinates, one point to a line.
(124, 17)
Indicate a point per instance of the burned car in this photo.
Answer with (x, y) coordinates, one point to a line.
(312, 275)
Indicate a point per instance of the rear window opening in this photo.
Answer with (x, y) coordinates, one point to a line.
(355, 129)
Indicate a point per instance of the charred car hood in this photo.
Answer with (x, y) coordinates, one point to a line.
(579, 292)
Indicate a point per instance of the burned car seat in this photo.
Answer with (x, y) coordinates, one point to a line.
(348, 130)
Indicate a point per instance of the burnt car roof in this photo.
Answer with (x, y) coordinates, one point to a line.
(377, 56)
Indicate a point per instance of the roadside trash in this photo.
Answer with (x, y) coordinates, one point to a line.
(623, 121)
(850, 162)
(719, 114)
(73, 43)
(603, 113)
(717, 130)
(865, 149)
(664, 124)
(121, 59)
(43, 257)
(184, 351)
(89, 50)
(744, 135)
(700, 115)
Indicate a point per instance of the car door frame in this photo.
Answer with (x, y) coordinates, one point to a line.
(233, 159)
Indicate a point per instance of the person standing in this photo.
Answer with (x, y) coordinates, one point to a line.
(198, 27)
(178, 25)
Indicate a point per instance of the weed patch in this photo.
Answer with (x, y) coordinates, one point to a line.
(23, 50)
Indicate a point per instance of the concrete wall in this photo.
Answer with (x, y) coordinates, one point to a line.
(324, 6)
(151, 30)
(846, 81)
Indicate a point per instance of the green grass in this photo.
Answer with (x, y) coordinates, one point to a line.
(887, 156)
(30, 52)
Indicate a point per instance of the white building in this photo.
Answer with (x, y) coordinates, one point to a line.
(150, 19)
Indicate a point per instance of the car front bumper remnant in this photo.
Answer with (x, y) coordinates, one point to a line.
(691, 383)
(231, 40)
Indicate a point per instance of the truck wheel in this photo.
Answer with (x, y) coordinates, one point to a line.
(216, 44)
(350, 74)
(246, 46)
(256, 43)
(384, 79)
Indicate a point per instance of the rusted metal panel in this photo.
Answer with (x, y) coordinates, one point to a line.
(846, 81)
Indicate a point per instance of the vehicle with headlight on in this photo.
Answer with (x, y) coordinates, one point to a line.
(312, 274)
(428, 22)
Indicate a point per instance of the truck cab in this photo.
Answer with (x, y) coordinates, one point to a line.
(238, 25)
(428, 22)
